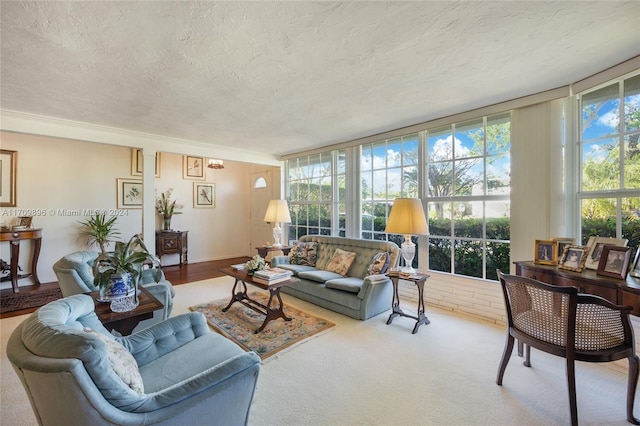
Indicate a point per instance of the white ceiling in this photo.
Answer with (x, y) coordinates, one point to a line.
(282, 77)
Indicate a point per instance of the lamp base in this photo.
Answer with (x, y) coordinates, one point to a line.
(408, 250)
(277, 235)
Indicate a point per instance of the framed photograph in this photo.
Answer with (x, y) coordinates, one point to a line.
(192, 167)
(614, 261)
(635, 267)
(129, 193)
(204, 195)
(596, 244)
(8, 176)
(546, 252)
(25, 221)
(573, 258)
(562, 242)
(136, 162)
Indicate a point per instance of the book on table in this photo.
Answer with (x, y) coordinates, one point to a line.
(272, 274)
(270, 282)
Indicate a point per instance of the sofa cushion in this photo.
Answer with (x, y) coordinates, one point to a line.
(350, 284)
(303, 253)
(341, 261)
(296, 269)
(122, 362)
(319, 275)
(379, 263)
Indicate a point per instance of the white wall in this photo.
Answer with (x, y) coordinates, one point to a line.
(58, 178)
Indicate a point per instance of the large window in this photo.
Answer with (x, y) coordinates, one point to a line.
(388, 170)
(468, 183)
(610, 161)
(314, 199)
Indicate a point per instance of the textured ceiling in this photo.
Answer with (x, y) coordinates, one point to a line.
(281, 77)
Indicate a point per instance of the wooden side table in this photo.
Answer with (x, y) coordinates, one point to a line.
(262, 251)
(172, 242)
(421, 318)
(125, 322)
(15, 237)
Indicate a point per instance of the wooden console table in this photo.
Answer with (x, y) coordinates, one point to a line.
(172, 242)
(125, 322)
(15, 237)
(620, 292)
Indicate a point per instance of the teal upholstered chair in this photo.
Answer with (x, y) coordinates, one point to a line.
(74, 371)
(75, 276)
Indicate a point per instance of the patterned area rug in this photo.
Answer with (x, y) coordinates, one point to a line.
(240, 322)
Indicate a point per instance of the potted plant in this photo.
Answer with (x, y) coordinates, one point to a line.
(167, 208)
(116, 273)
(100, 231)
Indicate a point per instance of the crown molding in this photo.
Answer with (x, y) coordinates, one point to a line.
(20, 122)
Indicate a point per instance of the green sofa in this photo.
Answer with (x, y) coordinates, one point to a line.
(356, 294)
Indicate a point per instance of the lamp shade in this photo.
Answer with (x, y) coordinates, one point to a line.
(407, 218)
(277, 212)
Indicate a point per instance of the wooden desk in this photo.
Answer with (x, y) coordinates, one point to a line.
(125, 322)
(14, 238)
(620, 292)
(172, 242)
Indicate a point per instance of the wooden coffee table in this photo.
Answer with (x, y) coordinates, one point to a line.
(239, 294)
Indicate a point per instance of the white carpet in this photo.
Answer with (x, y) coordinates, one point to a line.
(370, 373)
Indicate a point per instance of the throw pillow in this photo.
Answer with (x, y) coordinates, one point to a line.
(340, 262)
(303, 253)
(379, 264)
(122, 362)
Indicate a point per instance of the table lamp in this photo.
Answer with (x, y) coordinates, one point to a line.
(277, 213)
(407, 217)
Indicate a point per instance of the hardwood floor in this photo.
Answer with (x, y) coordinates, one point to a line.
(31, 298)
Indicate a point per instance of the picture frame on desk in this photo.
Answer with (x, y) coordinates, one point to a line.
(596, 245)
(546, 252)
(563, 242)
(614, 261)
(573, 258)
(635, 266)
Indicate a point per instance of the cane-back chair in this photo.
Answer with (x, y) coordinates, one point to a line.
(578, 327)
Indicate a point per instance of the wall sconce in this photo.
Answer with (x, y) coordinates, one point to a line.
(215, 164)
(277, 212)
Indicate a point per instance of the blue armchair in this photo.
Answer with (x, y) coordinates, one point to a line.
(75, 276)
(66, 361)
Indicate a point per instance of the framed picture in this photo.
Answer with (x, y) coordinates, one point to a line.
(204, 195)
(635, 267)
(8, 176)
(136, 162)
(573, 258)
(596, 244)
(129, 193)
(192, 167)
(25, 221)
(614, 261)
(562, 242)
(546, 252)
